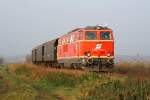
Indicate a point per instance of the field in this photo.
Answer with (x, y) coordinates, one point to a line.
(128, 81)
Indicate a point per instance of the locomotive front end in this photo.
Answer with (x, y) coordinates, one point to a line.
(96, 47)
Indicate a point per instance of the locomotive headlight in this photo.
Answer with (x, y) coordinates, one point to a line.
(89, 54)
(108, 55)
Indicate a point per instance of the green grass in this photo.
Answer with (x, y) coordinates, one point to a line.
(128, 90)
(15, 88)
(26, 82)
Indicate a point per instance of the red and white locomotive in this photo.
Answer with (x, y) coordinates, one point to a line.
(89, 47)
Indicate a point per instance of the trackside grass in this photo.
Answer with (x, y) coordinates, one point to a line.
(30, 82)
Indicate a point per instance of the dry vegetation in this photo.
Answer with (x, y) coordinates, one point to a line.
(129, 81)
(41, 70)
(138, 70)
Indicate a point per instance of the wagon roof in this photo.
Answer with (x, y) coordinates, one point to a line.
(51, 41)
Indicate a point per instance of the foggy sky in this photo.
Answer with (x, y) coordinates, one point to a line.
(27, 23)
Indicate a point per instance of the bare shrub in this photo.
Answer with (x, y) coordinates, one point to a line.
(28, 58)
(133, 69)
(1, 60)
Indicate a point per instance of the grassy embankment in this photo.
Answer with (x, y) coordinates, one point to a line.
(28, 82)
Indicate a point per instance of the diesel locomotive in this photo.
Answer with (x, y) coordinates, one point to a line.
(89, 47)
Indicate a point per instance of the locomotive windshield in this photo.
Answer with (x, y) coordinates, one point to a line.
(105, 35)
(91, 36)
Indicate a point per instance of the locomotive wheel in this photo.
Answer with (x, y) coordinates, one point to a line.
(74, 66)
(110, 66)
(61, 66)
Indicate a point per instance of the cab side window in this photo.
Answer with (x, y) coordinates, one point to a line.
(80, 35)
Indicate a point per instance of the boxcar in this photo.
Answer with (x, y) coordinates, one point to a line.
(50, 50)
(34, 55)
(39, 57)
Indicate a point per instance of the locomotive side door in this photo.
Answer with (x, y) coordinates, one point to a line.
(55, 49)
(80, 37)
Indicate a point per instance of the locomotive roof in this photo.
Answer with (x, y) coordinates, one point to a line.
(90, 28)
(97, 28)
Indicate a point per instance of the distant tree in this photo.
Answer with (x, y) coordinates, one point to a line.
(1, 60)
(28, 58)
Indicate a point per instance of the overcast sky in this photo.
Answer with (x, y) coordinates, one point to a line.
(27, 23)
